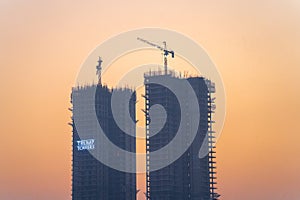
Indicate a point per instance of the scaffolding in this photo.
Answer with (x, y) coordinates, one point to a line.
(211, 141)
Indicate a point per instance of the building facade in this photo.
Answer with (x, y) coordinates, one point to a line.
(189, 177)
(91, 179)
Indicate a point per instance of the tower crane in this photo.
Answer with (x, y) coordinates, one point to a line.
(164, 49)
(98, 72)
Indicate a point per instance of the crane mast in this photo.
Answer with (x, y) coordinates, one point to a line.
(164, 49)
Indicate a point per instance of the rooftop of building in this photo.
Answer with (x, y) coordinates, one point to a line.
(104, 86)
(179, 75)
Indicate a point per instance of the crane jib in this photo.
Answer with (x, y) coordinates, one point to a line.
(166, 52)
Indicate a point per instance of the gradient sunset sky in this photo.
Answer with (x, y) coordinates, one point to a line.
(255, 45)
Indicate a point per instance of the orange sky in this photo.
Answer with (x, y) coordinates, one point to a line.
(255, 45)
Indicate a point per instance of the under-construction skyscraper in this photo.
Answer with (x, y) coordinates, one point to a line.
(91, 179)
(189, 177)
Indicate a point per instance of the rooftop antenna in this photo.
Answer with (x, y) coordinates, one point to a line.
(98, 72)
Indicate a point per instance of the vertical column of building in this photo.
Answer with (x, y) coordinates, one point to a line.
(84, 173)
(72, 125)
(147, 105)
(211, 140)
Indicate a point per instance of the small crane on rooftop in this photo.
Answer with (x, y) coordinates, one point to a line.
(164, 49)
(98, 72)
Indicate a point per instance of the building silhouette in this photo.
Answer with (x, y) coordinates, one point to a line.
(189, 177)
(91, 179)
